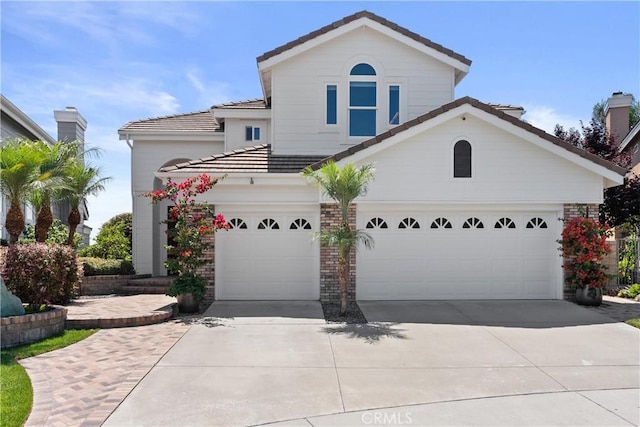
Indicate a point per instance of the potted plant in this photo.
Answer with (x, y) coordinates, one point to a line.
(584, 246)
(193, 223)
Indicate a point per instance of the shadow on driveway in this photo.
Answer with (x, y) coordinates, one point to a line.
(370, 333)
(505, 313)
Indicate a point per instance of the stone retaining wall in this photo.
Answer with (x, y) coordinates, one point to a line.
(17, 330)
(104, 285)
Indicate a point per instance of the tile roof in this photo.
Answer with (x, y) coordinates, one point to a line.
(505, 106)
(363, 14)
(250, 103)
(199, 121)
(256, 159)
(481, 106)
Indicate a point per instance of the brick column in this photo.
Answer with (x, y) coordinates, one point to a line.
(330, 217)
(592, 211)
(209, 270)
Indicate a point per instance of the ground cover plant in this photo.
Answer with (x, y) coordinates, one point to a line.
(16, 393)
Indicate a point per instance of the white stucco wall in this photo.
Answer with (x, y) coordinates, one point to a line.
(298, 86)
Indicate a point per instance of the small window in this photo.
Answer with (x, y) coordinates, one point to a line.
(237, 223)
(332, 104)
(441, 223)
(268, 224)
(300, 224)
(505, 223)
(377, 223)
(252, 133)
(462, 159)
(363, 70)
(473, 223)
(408, 223)
(394, 105)
(536, 223)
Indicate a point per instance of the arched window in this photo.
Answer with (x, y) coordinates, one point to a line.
(362, 100)
(441, 223)
(300, 224)
(505, 223)
(268, 224)
(377, 223)
(473, 223)
(408, 223)
(462, 159)
(536, 223)
(237, 223)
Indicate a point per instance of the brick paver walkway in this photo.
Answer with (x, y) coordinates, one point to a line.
(619, 309)
(83, 383)
(134, 310)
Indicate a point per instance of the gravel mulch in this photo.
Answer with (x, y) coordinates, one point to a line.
(353, 315)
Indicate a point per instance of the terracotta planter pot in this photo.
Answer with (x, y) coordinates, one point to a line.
(188, 303)
(589, 296)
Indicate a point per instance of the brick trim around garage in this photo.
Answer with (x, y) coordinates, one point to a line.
(329, 283)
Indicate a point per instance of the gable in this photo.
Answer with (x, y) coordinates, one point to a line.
(505, 169)
(466, 107)
(353, 23)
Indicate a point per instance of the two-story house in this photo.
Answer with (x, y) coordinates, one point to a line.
(466, 198)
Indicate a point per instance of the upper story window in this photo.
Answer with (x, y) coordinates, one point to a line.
(252, 133)
(394, 105)
(362, 100)
(462, 159)
(332, 105)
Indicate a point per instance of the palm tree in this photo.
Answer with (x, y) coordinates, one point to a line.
(19, 174)
(82, 181)
(52, 170)
(344, 186)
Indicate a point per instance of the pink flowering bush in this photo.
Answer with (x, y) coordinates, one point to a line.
(584, 246)
(192, 222)
(39, 273)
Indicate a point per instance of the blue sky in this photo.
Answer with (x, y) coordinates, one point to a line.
(123, 61)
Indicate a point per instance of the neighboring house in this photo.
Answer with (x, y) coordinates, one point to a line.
(16, 124)
(466, 198)
(617, 122)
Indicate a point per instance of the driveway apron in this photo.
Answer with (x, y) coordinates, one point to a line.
(247, 363)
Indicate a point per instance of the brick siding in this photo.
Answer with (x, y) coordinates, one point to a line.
(329, 284)
(208, 271)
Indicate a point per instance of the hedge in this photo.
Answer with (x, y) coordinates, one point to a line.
(104, 267)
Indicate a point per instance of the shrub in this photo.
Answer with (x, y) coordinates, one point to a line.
(58, 234)
(125, 219)
(39, 273)
(111, 243)
(104, 267)
(630, 291)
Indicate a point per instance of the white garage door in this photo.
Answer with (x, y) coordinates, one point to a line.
(267, 255)
(458, 255)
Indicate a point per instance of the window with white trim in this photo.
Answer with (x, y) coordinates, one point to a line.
(268, 224)
(394, 105)
(462, 159)
(331, 117)
(377, 223)
(252, 133)
(363, 100)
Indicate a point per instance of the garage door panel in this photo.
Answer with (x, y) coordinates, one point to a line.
(265, 263)
(456, 262)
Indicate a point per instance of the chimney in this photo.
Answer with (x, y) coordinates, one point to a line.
(616, 113)
(71, 125)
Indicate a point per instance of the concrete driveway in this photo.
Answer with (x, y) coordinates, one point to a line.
(415, 363)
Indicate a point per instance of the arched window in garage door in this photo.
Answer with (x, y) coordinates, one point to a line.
(505, 223)
(268, 224)
(441, 223)
(473, 223)
(300, 224)
(237, 223)
(536, 223)
(408, 223)
(377, 223)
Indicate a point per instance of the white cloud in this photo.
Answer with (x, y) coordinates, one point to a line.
(112, 24)
(546, 118)
(209, 92)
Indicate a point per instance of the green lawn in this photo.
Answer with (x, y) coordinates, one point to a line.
(633, 322)
(16, 394)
